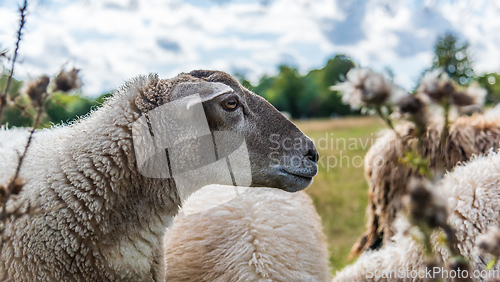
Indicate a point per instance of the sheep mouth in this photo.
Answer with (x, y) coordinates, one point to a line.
(307, 173)
(300, 176)
(294, 182)
(297, 179)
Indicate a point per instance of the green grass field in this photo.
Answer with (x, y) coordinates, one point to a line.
(339, 191)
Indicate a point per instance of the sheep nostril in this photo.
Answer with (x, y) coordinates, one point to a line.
(312, 155)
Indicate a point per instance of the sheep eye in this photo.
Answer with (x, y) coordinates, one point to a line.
(230, 104)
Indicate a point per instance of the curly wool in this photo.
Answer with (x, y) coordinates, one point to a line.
(472, 191)
(387, 177)
(262, 235)
(100, 219)
(399, 253)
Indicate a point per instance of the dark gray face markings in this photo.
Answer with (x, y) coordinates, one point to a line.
(174, 141)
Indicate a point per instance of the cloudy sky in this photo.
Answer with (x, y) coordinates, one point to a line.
(114, 40)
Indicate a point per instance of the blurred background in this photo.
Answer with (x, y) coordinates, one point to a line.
(288, 51)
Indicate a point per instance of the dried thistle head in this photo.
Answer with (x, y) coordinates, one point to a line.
(16, 186)
(414, 109)
(437, 86)
(472, 95)
(424, 205)
(13, 188)
(366, 88)
(3, 194)
(411, 105)
(67, 80)
(489, 242)
(461, 99)
(459, 264)
(37, 89)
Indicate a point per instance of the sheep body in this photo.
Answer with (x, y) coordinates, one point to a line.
(261, 235)
(82, 189)
(472, 191)
(398, 256)
(387, 177)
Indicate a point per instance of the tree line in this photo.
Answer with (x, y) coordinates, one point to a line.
(311, 96)
(302, 96)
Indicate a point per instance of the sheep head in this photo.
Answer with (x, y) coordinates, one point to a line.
(211, 130)
(281, 155)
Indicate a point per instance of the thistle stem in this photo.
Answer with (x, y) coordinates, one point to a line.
(4, 97)
(389, 123)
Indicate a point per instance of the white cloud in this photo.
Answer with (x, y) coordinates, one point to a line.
(115, 40)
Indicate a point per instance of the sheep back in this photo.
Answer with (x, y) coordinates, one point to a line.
(264, 234)
(387, 176)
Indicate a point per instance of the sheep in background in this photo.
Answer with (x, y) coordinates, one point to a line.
(387, 177)
(399, 251)
(261, 235)
(472, 191)
(100, 218)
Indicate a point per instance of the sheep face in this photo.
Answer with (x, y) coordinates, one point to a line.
(280, 154)
(211, 130)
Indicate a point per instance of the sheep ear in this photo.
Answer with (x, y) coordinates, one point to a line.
(206, 90)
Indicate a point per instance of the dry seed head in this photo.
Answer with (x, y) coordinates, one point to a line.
(376, 89)
(461, 99)
(367, 88)
(67, 80)
(3, 194)
(436, 85)
(415, 110)
(411, 105)
(37, 89)
(16, 186)
(489, 242)
(472, 95)
(424, 205)
(459, 264)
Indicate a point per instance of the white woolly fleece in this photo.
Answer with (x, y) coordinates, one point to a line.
(473, 193)
(264, 234)
(94, 223)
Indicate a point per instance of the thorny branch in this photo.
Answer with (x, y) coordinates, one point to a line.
(4, 97)
(38, 91)
(12, 186)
